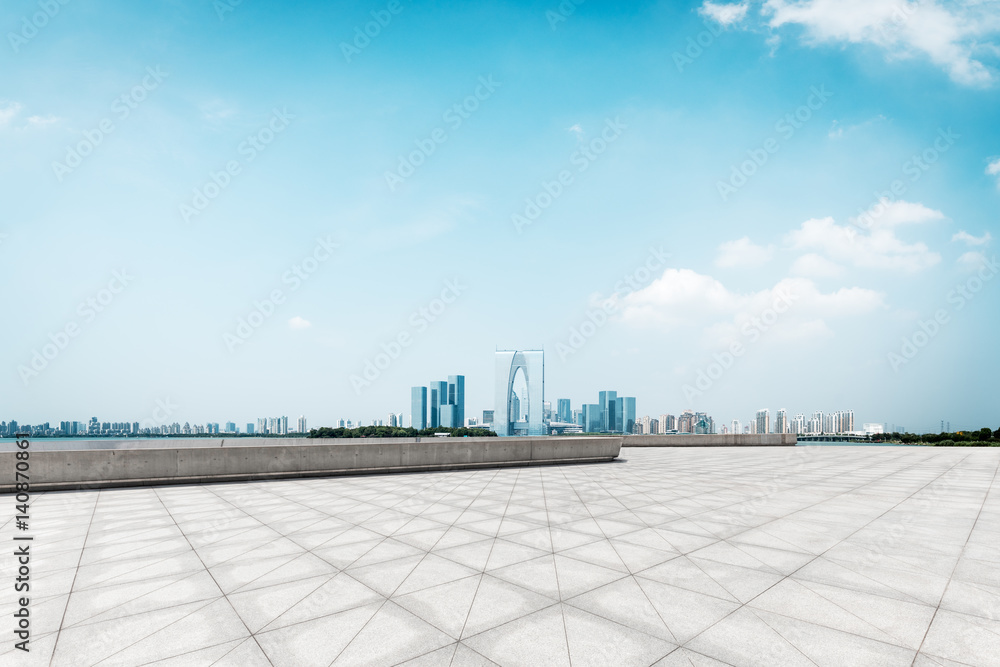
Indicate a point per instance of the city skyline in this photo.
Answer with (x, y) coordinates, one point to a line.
(243, 217)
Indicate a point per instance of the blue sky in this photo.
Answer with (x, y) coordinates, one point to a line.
(651, 114)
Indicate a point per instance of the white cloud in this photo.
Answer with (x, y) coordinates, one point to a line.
(724, 14)
(743, 253)
(837, 131)
(885, 213)
(812, 265)
(972, 240)
(878, 249)
(217, 111)
(41, 121)
(993, 169)
(971, 261)
(7, 112)
(949, 35)
(299, 323)
(685, 298)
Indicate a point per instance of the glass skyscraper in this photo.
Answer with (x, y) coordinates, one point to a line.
(608, 401)
(456, 397)
(530, 364)
(627, 413)
(563, 411)
(418, 407)
(593, 418)
(439, 397)
(441, 404)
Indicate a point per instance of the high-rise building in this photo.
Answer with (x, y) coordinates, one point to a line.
(654, 426)
(647, 423)
(418, 407)
(847, 421)
(627, 414)
(449, 416)
(439, 397)
(830, 424)
(686, 422)
(736, 426)
(509, 364)
(593, 418)
(300, 425)
(668, 423)
(702, 424)
(781, 421)
(230, 427)
(799, 424)
(608, 400)
(249, 428)
(488, 417)
(563, 410)
(456, 397)
(763, 421)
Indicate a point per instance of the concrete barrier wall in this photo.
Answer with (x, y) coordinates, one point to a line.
(99, 468)
(713, 440)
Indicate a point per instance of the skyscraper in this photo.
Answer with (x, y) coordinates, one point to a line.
(300, 426)
(418, 407)
(593, 418)
(563, 411)
(607, 400)
(627, 413)
(449, 416)
(439, 397)
(781, 421)
(685, 423)
(456, 397)
(509, 364)
(763, 421)
(667, 423)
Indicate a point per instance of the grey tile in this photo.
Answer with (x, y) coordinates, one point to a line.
(537, 639)
(392, 636)
(963, 638)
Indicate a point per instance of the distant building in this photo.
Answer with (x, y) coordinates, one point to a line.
(456, 397)
(874, 429)
(763, 421)
(529, 365)
(449, 416)
(685, 423)
(300, 425)
(563, 410)
(593, 418)
(418, 407)
(627, 413)
(488, 417)
(608, 400)
(781, 421)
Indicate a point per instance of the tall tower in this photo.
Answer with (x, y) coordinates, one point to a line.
(530, 364)
(418, 407)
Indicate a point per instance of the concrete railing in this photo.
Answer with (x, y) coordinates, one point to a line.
(713, 440)
(282, 458)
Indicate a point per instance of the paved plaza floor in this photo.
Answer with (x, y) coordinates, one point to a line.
(696, 556)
